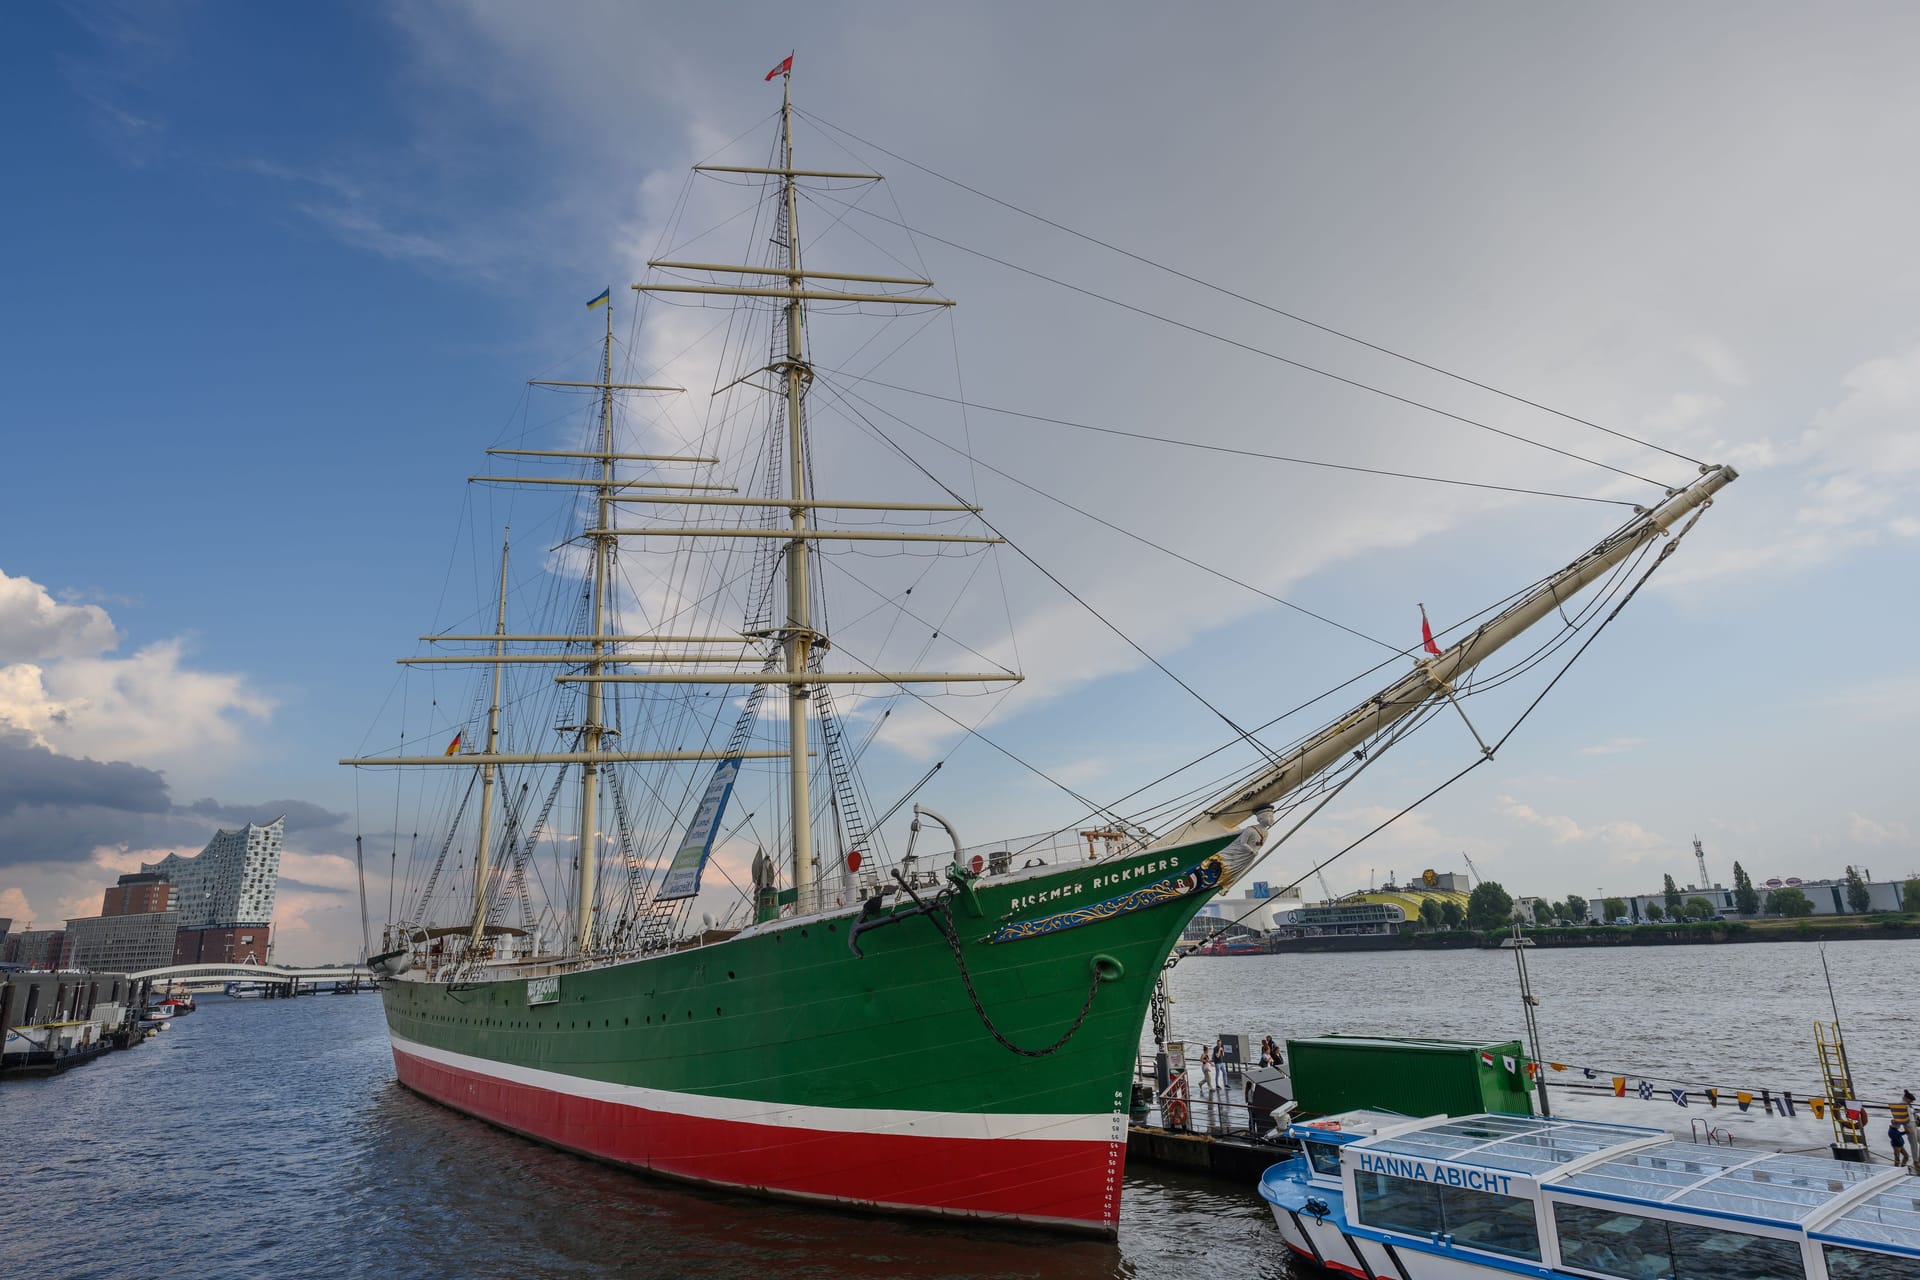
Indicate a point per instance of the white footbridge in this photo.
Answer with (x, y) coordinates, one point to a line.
(270, 973)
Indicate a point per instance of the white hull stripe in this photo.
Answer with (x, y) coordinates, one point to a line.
(993, 1126)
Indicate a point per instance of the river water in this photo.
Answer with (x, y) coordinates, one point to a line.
(267, 1138)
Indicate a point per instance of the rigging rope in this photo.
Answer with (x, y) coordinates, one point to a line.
(1102, 618)
(1254, 302)
(1228, 449)
(1100, 520)
(1251, 349)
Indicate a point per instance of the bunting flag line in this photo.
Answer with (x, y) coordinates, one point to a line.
(1852, 1110)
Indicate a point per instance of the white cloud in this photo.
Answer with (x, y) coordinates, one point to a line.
(77, 699)
(33, 625)
(1620, 838)
(1852, 473)
(15, 907)
(325, 870)
(145, 707)
(1864, 830)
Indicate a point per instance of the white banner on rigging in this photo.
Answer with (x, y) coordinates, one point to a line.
(683, 877)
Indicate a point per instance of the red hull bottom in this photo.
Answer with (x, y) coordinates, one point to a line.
(1056, 1183)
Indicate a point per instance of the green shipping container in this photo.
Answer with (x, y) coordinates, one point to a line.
(1412, 1077)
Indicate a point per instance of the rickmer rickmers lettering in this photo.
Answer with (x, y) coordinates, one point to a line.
(858, 1027)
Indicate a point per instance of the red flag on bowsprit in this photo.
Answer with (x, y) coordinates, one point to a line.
(1426, 633)
(785, 67)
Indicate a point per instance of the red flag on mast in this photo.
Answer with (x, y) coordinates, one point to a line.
(785, 67)
(1426, 633)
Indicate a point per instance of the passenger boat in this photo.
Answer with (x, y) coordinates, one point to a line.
(862, 1024)
(1388, 1198)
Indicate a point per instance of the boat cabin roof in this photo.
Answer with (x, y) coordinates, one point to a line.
(1834, 1201)
(1530, 1146)
(1888, 1219)
(1768, 1186)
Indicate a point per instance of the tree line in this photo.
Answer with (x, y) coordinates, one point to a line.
(1490, 907)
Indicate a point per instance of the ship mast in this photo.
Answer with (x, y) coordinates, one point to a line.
(800, 640)
(482, 847)
(797, 637)
(591, 729)
(792, 286)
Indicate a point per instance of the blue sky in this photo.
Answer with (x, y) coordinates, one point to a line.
(276, 276)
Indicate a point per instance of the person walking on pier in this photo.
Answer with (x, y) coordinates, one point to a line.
(1206, 1069)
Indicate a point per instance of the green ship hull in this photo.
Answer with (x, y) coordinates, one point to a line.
(978, 1068)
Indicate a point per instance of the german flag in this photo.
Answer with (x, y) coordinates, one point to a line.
(453, 748)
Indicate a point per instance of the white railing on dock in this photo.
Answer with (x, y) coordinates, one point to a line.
(1190, 1104)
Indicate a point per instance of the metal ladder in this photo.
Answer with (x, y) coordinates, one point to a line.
(846, 799)
(1838, 1078)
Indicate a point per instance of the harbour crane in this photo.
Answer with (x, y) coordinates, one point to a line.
(1473, 872)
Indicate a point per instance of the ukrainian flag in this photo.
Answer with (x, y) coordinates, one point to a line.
(600, 301)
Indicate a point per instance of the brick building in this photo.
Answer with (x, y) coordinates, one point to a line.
(137, 894)
(223, 944)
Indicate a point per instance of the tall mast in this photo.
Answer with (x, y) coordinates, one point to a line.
(792, 285)
(592, 729)
(484, 846)
(798, 636)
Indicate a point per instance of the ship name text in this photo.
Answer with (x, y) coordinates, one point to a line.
(1141, 871)
(1446, 1175)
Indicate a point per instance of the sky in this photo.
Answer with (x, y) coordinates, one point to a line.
(276, 276)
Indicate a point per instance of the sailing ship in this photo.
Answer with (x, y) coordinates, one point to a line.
(959, 1040)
